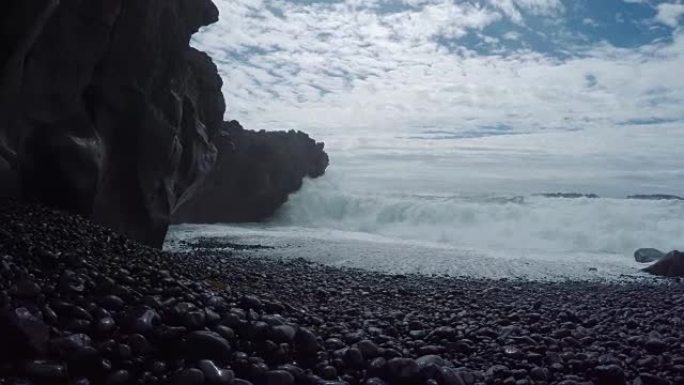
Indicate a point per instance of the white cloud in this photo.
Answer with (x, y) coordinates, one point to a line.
(513, 8)
(326, 66)
(669, 14)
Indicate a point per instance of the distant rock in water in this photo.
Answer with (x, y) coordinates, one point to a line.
(568, 195)
(105, 109)
(657, 197)
(672, 265)
(254, 174)
(647, 255)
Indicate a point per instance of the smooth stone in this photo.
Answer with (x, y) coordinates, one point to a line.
(105, 325)
(138, 343)
(22, 333)
(279, 377)
(187, 377)
(655, 346)
(403, 370)
(651, 379)
(375, 381)
(26, 288)
(353, 357)
(225, 331)
(251, 302)
(610, 375)
(305, 341)
(42, 371)
(368, 348)
(142, 319)
(647, 255)
(283, 333)
(111, 302)
(430, 359)
(120, 377)
(214, 374)
(206, 345)
(447, 376)
(69, 345)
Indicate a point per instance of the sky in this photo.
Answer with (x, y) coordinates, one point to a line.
(441, 66)
(424, 103)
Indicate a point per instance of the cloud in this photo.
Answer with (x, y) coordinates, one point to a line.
(669, 14)
(416, 64)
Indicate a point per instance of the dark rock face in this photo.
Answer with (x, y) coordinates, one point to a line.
(672, 265)
(105, 110)
(254, 174)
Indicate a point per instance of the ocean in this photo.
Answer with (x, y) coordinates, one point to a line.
(484, 203)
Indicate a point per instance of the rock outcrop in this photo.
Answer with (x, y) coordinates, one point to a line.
(105, 109)
(671, 265)
(254, 174)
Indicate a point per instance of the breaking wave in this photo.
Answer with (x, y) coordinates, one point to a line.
(517, 224)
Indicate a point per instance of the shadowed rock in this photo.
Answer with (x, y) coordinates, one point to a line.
(105, 109)
(672, 265)
(254, 174)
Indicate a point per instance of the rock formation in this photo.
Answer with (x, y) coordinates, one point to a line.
(254, 174)
(671, 265)
(105, 109)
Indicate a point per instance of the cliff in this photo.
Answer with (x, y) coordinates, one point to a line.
(253, 176)
(107, 112)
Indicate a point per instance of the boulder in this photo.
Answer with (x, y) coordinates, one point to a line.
(672, 265)
(648, 255)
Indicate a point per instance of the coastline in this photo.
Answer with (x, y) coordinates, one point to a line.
(77, 293)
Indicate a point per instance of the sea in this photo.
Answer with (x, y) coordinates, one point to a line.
(544, 205)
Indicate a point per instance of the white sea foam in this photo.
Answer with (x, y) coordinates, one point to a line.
(467, 206)
(516, 224)
(487, 236)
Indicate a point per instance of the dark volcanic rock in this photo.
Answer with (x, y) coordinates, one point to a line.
(127, 314)
(647, 255)
(105, 110)
(254, 174)
(671, 265)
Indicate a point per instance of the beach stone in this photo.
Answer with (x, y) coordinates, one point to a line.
(111, 302)
(403, 370)
(368, 349)
(251, 302)
(42, 371)
(22, 333)
(655, 346)
(647, 255)
(214, 374)
(188, 377)
(651, 379)
(279, 377)
(26, 288)
(305, 341)
(206, 345)
(142, 319)
(283, 333)
(610, 375)
(69, 345)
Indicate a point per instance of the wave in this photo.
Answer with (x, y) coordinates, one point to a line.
(519, 224)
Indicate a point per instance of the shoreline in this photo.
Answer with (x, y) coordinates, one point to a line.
(74, 292)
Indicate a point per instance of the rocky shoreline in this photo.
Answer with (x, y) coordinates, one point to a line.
(82, 305)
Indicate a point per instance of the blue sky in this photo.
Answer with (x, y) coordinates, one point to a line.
(418, 66)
